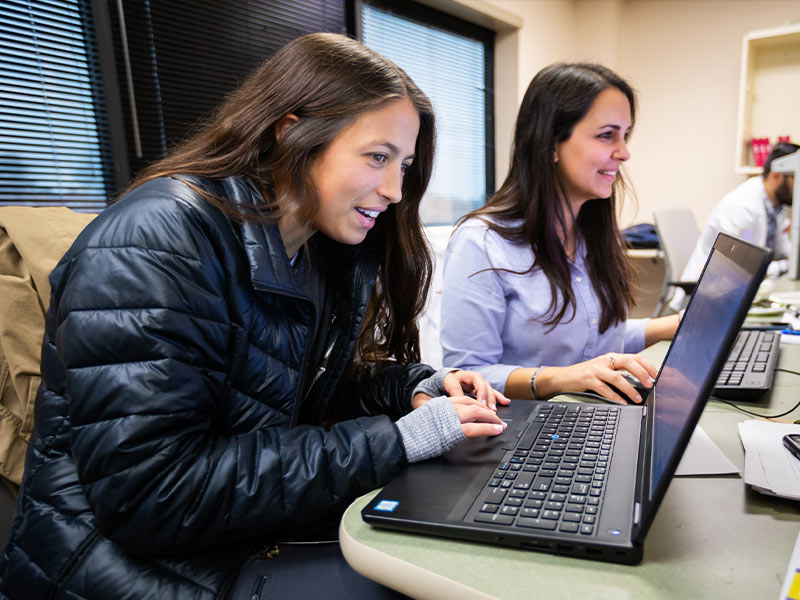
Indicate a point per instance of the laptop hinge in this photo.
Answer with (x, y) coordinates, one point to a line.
(642, 477)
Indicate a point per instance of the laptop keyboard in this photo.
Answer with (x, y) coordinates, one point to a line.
(750, 367)
(555, 477)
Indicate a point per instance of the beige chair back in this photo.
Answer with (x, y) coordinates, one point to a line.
(677, 234)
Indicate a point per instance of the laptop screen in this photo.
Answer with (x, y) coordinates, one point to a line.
(714, 314)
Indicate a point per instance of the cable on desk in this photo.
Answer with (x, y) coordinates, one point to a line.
(755, 414)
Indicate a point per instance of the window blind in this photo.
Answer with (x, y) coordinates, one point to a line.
(454, 70)
(52, 146)
(185, 56)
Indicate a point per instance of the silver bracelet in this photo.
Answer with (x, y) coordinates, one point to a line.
(533, 382)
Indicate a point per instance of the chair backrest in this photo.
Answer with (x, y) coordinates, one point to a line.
(678, 234)
(32, 241)
(430, 320)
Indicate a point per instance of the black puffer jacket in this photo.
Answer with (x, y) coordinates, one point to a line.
(168, 440)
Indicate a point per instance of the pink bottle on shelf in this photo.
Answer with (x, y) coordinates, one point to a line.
(761, 149)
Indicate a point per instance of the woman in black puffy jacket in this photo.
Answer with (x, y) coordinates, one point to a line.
(231, 354)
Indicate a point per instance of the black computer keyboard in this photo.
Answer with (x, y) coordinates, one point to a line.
(750, 367)
(555, 478)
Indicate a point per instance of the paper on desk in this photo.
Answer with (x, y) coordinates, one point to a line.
(793, 322)
(781, 468)
(768, 466)
(703, 457)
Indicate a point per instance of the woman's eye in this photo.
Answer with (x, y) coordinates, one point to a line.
(380, 158)
(606, 135)
(404, 167)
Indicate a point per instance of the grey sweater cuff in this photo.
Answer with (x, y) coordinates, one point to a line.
(430, 430)
(433, 385)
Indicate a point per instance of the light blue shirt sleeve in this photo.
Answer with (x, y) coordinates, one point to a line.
(635, 335)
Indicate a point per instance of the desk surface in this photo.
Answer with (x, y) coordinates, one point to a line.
(713, 537)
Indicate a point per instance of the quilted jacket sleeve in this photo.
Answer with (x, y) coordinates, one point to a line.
(383, 388)
(142, 331)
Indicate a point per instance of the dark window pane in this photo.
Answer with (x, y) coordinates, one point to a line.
(53, 149)
(187, 55)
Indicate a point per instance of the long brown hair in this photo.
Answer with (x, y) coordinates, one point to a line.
(327, 81)
(557, 98)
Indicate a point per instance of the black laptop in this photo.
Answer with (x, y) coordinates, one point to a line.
(583, 479)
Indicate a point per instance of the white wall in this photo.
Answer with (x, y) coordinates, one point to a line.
(547, 35)
(687, 72)
(682, 56)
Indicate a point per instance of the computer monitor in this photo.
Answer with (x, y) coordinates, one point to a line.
(791, 164)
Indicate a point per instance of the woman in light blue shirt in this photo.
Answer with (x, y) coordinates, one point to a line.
(537, 283)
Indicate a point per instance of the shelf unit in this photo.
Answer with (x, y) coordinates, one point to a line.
(769, 86)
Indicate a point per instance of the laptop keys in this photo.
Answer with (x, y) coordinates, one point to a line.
(494, 519)
(494, 496)
(555, 478)
(546, 524)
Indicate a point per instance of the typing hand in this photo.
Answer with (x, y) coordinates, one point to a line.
(476, 419)
(458, 383)
(467, 383)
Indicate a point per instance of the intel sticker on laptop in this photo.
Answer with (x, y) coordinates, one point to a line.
(386, 505)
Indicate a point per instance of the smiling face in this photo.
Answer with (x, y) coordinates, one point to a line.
(588, 161)
(361, 172)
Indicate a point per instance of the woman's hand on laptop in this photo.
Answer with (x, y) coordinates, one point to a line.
(470, 383)
(466, 383)
(476, 419)
(474, 400)
(598, 375)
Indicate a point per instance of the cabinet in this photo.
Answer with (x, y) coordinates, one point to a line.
(769, 87)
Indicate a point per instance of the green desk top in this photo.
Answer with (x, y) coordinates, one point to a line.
(713, 537)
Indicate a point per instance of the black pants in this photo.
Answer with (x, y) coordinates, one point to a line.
(307, 572)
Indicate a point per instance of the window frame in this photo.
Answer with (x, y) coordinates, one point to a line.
(429, 16)
(169, 84)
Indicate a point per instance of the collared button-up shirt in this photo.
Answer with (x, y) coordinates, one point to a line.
(493, 320)
(743, 213)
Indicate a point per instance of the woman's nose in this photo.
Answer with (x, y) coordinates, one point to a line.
(391, 186)
(621, 151)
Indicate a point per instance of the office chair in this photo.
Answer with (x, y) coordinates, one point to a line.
(32, 241)
(677, 234)
(429, 322)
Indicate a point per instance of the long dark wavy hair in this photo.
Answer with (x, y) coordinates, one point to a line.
(557, 98)
(327, 81)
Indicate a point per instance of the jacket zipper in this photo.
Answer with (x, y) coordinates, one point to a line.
(324, 361)
(75, 559)
(303, 367)
(258, 586)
